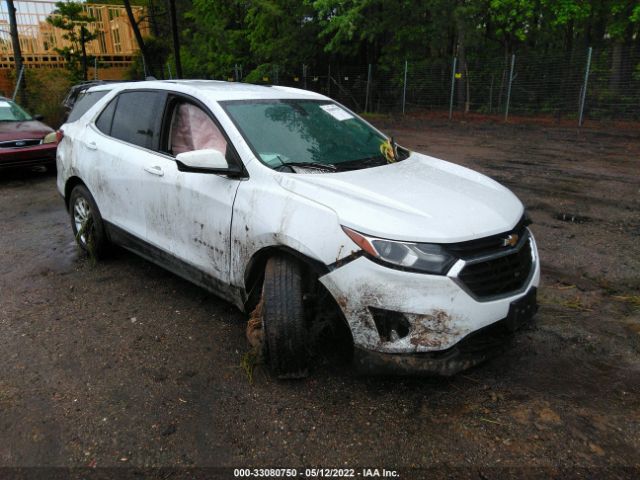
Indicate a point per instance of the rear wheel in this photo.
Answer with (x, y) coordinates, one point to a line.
(286, 342)
(86, 223)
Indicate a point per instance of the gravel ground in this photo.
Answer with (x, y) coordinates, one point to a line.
(121, 364)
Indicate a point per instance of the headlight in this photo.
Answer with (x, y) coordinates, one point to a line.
(420, 257)
(50, 138)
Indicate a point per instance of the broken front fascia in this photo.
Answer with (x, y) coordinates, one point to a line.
(439, 312)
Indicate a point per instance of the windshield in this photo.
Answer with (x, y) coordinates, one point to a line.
(304, 132)
(10, 112)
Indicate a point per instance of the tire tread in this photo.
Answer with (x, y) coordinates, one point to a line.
(284, 318)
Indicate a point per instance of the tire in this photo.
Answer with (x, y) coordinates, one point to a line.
(83, 208)
(286, 343)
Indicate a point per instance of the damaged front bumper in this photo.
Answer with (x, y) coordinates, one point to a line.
(469, 352)
(405, 322)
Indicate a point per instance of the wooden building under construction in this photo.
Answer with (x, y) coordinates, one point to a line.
(114, 47)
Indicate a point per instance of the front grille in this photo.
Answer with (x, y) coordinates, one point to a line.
(21, 143)
(487, 245)
(499, 275)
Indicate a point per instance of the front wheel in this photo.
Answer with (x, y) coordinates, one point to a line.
(286, 342)
(86, 223)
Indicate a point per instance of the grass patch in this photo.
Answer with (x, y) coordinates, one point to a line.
(631, 299)
(575, 304)
(250, 360)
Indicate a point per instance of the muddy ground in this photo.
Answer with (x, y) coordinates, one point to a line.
(123, 364)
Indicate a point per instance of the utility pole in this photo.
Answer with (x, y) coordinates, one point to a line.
(176, 37)
(17, 54)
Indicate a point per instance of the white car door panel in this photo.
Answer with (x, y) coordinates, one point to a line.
(189, 214)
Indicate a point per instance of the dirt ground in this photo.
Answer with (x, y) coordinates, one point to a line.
(121, 364)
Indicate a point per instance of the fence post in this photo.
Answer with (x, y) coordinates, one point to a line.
(506, 110)
(491, 95)
(304, 76)
(95, 68)
(453, 86)
(366, 98)
(18, 82)
(584, 86)
(404, 86)
(169, 70)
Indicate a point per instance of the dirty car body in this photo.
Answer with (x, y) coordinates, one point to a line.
(421, 257)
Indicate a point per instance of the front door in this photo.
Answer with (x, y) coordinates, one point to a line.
(191, 212)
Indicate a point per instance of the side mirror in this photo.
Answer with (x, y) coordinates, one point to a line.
(38, 117)
(209, 159)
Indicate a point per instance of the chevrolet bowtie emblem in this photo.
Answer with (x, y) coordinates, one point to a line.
(511, 240)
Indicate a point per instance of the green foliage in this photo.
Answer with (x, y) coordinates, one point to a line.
(624, 14)
(159, 51)
(46, 89)
(512, 18)
(282, 32)
(70, 17)
(215, 38)
(217, 34)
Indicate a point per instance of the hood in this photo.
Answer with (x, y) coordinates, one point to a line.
(421, 199)
(23, 130)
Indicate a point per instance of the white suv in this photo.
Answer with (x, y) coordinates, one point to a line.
(292, 207)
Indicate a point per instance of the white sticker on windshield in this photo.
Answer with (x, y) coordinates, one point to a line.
(336, 112)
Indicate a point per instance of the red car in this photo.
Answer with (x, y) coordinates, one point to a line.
(24, 140)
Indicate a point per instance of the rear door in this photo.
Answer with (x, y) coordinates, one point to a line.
(124, 145)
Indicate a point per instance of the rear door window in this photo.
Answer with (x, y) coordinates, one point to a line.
(137, 118)
(85, 101)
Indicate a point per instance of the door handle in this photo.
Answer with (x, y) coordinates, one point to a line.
(155, 170)
(92, 146)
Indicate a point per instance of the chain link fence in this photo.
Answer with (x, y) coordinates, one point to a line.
(595, 84)
(601, 85)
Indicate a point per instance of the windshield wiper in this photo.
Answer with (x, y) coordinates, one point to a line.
(324, 166)
(316, 165)
(375, 161)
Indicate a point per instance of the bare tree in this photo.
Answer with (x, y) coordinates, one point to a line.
(17, 54)
(148, 66)
(176, 37)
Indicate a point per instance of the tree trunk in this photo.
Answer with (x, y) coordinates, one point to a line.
(176, 37)
(17, 54)
(148, 67)
(84, 53)
(152, 19)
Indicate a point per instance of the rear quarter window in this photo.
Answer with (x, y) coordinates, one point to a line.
(105, 119)
(85, 101)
